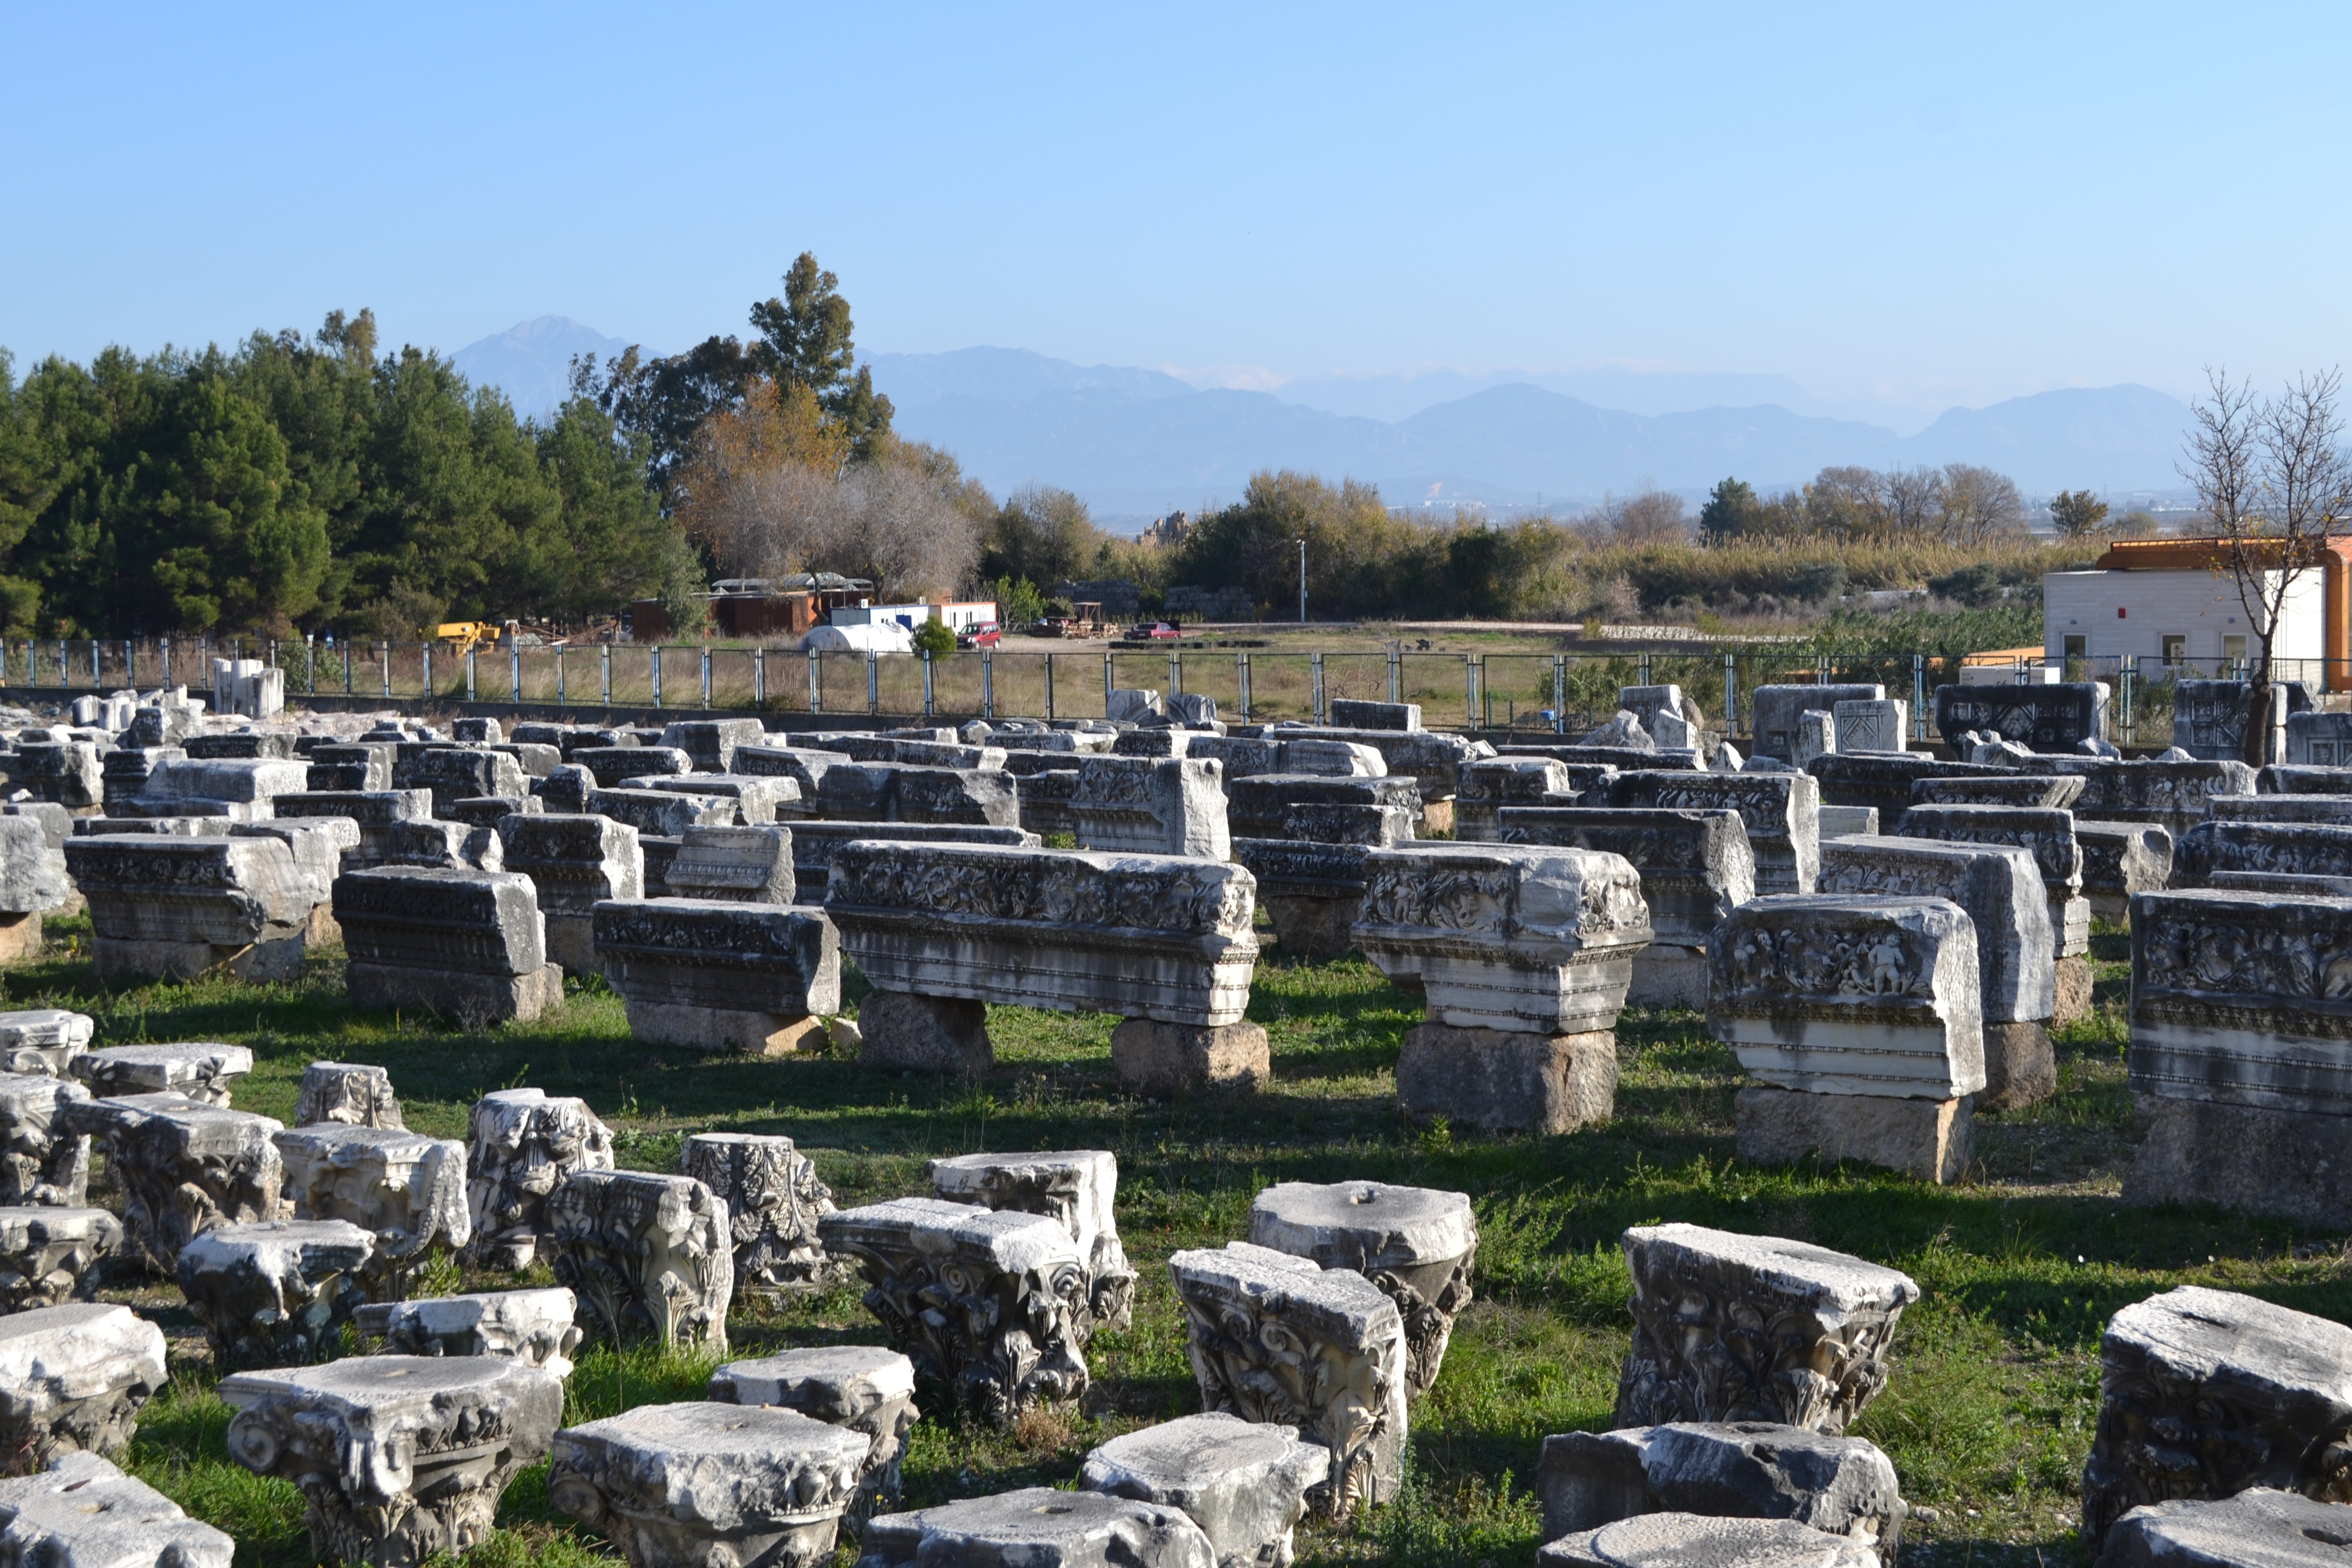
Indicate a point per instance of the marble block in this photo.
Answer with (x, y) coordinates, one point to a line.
(1743, 1469)
(1417, 1244)
(356, 1094)
(276, 1293)
(1077, 1187)
(205, 1073)
(1680, 1540)
(649, 1256)
(73, 1378)
(43, 1041)
(862, 1388)
(82, 1512)
(1244, 1483)
(533, 1326)
(773, 1202)
(50, 1254)
(405, 1190)
(183, 1168)
(44, 1151)
(1038, 1527)
(520, 1144)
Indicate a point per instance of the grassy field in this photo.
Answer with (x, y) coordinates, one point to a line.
(1995, 1372)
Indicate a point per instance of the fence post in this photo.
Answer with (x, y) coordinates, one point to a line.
(1730, 696)
(1918, 696)
(427, 661)
(1559, 694)
(1049, 689)
(873, 683)
(309, 662)
(1107, 680)
(1315, 668)
(2124, 680)
(988, 683)
(470, 657)
(163, 657)
(559, 674)
(706, 675)
(384, 665)
(65, 665)
(927, 683)
(1642, 669)
(655, 666)
(1469, 693)
(1396, 676)
(1241, 683)
(97, 673)
(760, 678)
(606, 661)
(1175, 672)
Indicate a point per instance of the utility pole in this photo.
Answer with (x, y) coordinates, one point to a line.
(1302, 581)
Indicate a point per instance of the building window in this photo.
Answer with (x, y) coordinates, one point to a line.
(2077, 646)
(2176, 647)
(2233, 646)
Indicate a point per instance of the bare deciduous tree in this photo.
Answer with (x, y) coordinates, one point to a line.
(1978, 505)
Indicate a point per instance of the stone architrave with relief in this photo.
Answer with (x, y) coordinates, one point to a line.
(719, 975)
(182, 908)
(1781, 811)
(439, 939)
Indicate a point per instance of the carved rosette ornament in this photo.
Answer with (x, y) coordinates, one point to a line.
(773, 1202)
(1745, 1328)
(648, 1255)
(988, 1304)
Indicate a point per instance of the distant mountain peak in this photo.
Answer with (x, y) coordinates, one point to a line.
(531, 362)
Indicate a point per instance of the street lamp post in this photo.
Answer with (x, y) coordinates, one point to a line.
(1302, 581)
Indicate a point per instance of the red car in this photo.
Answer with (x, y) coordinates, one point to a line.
(1156, 629)
(988, 633)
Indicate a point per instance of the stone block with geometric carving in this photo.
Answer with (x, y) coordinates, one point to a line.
(1781, 811)
(1146, 805)
(1244, 1483)
(520, 1144)
(50, 1254)
(1078, 1188)
(183, 1168)
(649, 1256)
(464, 943)
(533, 1326)
(1698, 1298)
(773, 1201)
(865, 1388)
(405, 1190)
(82, 1512)
(73, 1378)
(719, 975)
(1417, 1244)
(1277, 1339)
(992, 1305)
(44, 1155)
(356, 1094)
(184, 907)
(744, 865)
(398, 1458)
(2048, 832)
(1037, 1527)
(205, 1073)
(44, 1040)
(278, 1293)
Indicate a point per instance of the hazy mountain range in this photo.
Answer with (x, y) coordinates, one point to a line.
(1134, 442)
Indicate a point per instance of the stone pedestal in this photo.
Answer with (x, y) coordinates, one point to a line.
(405, 1190)
(1930, 1139)
(49, 1255)
(181, 908)
(719, 975)
(649, 1256)
(533, 1326)
(1167, 1060)
(1417, 1244)
(204, 1073)
(520, 1144)
(2020, 1068)
(275, 1294)
(1674, 1539)
(73, 1378)
(1499, 1082)
(1076, 1187)
(2248, 1159)
(925, 1033)
(43, 1041)
(44, 1151)
(773, 1202)
(1747, 1469)
(82, 1512)
(183, 1168)
(710, 1486)
(354, 1094)
(1243, 1483)
(1039, 1528)
(863, 1388)
(398, 1458)
(1696, 1356)
(2073, 1001)
(1665, 975)
(1310, 925)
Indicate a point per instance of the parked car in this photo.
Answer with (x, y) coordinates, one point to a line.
(988, 633)
(1154, 630)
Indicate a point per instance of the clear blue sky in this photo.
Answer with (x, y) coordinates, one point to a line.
(1932, 205)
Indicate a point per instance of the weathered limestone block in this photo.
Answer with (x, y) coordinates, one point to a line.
(742, 865)
(1244, 1483)
(361, 765)
(50, 1254)
(521, 1144)
(453, 845)
(1076, 1187)
(466, 943)
(1781, 811)
(991, 1304)
(1312, 892)
(203, 1072)
(1773, 712)
(1881, 724)
(1353, 713)
(276, 1293)
(773, 1202)
(2044, 792)
(183, 1167)
(2121, 859)
(1038, 1527)
(890, 792)
(1696, 1356)
(924, 1034)
(356, 1094)
(1141, 805)
(1323, 808)
(2291, 849)
(1847, 821)
(1503, 1082)
(2275, 1528)
(649, 1256)
(43, 1041)
(2325, 809)
(1491, 784)
(2049, 834)
(2172, 795)
(1527, 940)
(65, 773)
(44, 1153)
(1417, 1244)
(239, 788)
(184, 907)
(82, 1512)
(760, 799)
(719, 975)
(1746, 1470)
(1277, 1339)
(489, 810)
(1152, 936)
(1432, 759)
(815, 843)
(663, 813)
(374, 811)
(1165, 1060)
(610, 765)
(2205, 1394)
(2053, 717)
(709, 1485)
(531, 1326)
(1883, 781)
(452, 774)
(398, 1458)
(863, 1389)
(2281, 778)
(72, 1380)
(804, 765)
(33, 881)
(405, 1190)
(711, 743)
(1672, 1539)
(575, 862)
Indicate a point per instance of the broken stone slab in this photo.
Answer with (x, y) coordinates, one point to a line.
(1491, 784)
(1781, 811)
(1774, 710)
(43, 1041)
(1745, 1470)
(773, 1202)
(405, 1190)
(662, 813)
(73, 1378)
(276, 1293)
(741, 865)
(574, 862)
(711, 743)
(241, 789)
(50, 1254)
(521, 1144)
(63, 773)
(2274, 1529)
(450, 845)
(1076, 1187)
(2039, 791)
(2335, 809)
(2281, 778)
(1038, 1527)
(2205, 1394)
(44, 1153)
(1431, 757)
(373, 811)
(991, 1304)
(863, 1389)
(82, 1512)
(183, 1168)
(1675, 1540)
(1151, 807)
(2121, 859)
(1150, 936)
(719, 975)
(924, 1034)
(356, 1094)
(649, 1256)
(804, 765)
(1244, 1483)
(1696, 1356)
(917, 754)
(361, 765)
(489, 810)
(203, 1072)
(184, 907)
(815, 843)
(1505, 1081)
(33, 881)
(1354, 713)
(1280, 1339)
(531, 1326)
(1417, 1244)
(702, 1485)
(1523, 939)
(2282, 882)
(398, 1458)
(1883, 781)
(464, 943)
(1165, 1060)
(1323, 808)
(610, 765)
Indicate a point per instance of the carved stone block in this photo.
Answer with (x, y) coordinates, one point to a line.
(1277, 1339)
(649, 1256)
(183, 1168)
(184, 907)
(1695, 866)
(278, 1293)
(1144, 805)
(1501, 1082)
(2204, 1393)
(711, 743)
(44, 1157)
(2175, 797)
(456, 943)
(405, 1190)
(398, 1458)
(1754, 1328)
(82, 1512)
(1417, 1244)
(576, 863)
(73, 1378)
(1038, 1527)
(719, 975)
(710, 1486)
(44, 1040)
(742, 865)
(773, 1202)
(356, 1094)
(1491, 784)
(50, 1254)
(1781, 811)
(1747, 1469)
(1673, 1540)
(1999, 886)
(204, 1073)
(2276, 1529)
(1243, 1483)
(520, 1145)
(1076, 1187)
(864, 1388)
(815, 844)
(1773, 711)
(1321, 808)
(1166, 1061)
(532, 1326)
(991, 1304)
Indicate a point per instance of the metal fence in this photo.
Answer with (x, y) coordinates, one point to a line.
(1534, 694)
